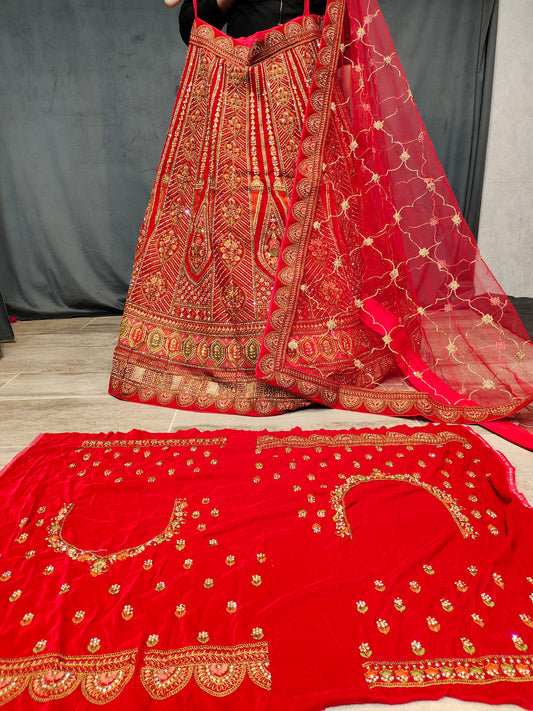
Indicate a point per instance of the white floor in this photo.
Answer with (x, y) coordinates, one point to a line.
(54, 378)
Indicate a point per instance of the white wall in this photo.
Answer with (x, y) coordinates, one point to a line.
(506, 225)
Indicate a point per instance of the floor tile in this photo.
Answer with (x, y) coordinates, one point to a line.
(104, 324)
(65, 339)
(51, 325)
(45, 385)
(65, 358)
(6, 377)
(27, 418)
(306, 418)
(7, 454)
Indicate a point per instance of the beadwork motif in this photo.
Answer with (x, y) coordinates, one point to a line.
(431, 672)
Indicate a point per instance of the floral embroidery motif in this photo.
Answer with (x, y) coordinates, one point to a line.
(339, 493)
(478, 670)
(218, 671)
(99, 563)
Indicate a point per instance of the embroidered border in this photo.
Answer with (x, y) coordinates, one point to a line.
(338, 495)
(346, 439)
(297, 31)
(104, 443)
(431, 672)
(218, 671)
(51, 677)
(98, 563)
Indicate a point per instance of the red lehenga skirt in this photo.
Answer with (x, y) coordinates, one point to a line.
(302, 243)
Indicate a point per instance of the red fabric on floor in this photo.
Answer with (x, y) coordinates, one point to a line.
(255, 570)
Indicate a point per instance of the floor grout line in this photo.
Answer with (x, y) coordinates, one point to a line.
(83, 396)
(171, 426)
(9, 381)
(88, 322)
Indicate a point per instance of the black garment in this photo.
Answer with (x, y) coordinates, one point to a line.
(245, 16)
(6, 332)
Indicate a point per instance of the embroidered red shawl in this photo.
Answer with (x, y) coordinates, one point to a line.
(299, 153)
(278, 571)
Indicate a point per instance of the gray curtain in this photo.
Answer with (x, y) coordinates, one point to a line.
(87, 91)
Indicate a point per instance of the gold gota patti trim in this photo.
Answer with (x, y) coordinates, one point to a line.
(431, 672)
(218, 671)
(345, 439)
(48, 678)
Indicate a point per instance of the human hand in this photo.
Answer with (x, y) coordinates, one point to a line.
(225, 5)
(172, 3)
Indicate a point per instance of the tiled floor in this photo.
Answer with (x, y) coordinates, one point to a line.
(53, 378)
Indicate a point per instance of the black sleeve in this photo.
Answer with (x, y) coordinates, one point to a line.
(208, 10)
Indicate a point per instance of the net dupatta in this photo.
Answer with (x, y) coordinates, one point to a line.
(382, 302)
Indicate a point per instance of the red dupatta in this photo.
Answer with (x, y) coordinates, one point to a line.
(382, 302)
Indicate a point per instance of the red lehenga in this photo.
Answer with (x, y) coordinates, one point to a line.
(299, 152)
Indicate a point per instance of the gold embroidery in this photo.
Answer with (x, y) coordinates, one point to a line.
(347, 439)
(339, 493)
(99, 563)
(52, 676)
(164, 443)
(214, 250)
(218, 671)
(94, 644)
(430, 672)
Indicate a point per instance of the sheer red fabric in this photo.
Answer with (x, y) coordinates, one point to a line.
(382, 301)
(286, 571)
